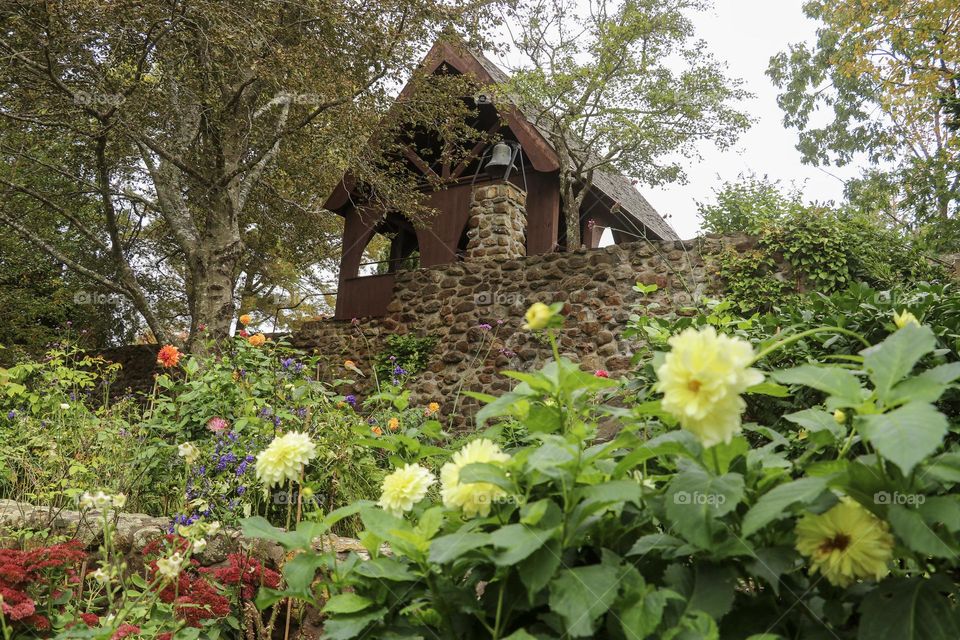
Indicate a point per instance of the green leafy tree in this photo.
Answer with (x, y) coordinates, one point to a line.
(887, 73)
(601, 82)
(747, 205)
(188, 129)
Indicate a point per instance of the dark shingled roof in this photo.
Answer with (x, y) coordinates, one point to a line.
(614, 186)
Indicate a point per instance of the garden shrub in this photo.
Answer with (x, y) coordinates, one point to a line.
(689, 523)
(62, 435)
(827, 248)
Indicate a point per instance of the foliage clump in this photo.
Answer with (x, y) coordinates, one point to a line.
(826, 248)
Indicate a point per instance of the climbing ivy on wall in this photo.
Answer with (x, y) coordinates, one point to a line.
(405, 354)
(826, 250)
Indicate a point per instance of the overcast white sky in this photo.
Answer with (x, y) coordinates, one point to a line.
(745, 33)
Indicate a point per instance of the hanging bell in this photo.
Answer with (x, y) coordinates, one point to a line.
(502, 160)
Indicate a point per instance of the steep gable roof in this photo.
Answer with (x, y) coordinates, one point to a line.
(614, 188)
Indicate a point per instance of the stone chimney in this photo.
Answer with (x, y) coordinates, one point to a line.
(497, 224)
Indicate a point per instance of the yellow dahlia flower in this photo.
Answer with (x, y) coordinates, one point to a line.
(537, 316)
(845, 543)
(701, 380)
(475, 497)
(904, 318)
(432, 408)
(285, 458)
(404, 488)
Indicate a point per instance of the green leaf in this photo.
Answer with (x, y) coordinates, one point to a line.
(337, 515)
(302, 538)
(772, 505)
(346, 603)
(769, 389)
(906, 435)
(539, 568)
(921, 388)
(771, 563)
(816, 420)
(486, 472)
(612, 491)
(385, 569)
(384, 525)
(944, 467)
(344, 627)
(643, 616)
(695, 499)
(543, 419)
(917, 534)
(450, 547)
(713, 589)
(430, 522)
(267, 597)
(890, 361)
(517, 542)
(668, 444)
(909, 609)
(537, 381)
(581, 595)
(943, 510)
(548, 459)
(944, 373)
(300, 571)
(515, 403)
(833, 380)
(655, 542)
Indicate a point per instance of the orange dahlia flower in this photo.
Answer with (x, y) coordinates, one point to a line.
(168, 356)
(257, 339)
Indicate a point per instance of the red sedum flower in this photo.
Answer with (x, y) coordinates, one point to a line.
(90, 619)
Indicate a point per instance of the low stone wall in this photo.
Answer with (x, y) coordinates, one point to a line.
(134, 530)
(138, 366)
(475, 309)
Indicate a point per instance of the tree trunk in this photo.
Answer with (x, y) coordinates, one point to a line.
(571, 214)
(212, 283)
(571, 210)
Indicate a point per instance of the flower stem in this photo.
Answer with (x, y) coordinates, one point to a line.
(803, 334)
(716, 460)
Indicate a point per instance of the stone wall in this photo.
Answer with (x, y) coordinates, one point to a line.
(475, 309)
(132, 532)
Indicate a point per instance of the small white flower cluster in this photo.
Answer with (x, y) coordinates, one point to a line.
(188, 452)
(197, 534)
(102, 501)
(170, 567)
(100, 575)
